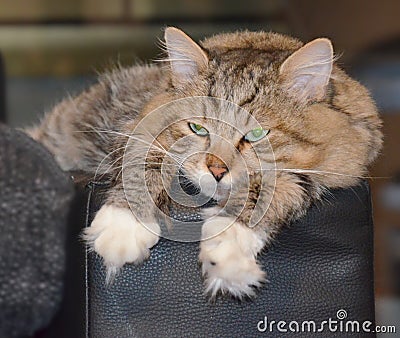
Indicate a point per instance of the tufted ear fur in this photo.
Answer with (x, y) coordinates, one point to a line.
(186, 57)
(306, 72)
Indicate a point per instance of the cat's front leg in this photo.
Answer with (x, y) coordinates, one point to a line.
(119, 237)
(125, 228)
(228, 252)
(230, 245)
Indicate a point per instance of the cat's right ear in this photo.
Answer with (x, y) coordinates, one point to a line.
(186, 57)
(307, 71)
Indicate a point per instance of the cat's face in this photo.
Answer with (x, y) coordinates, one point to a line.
(218, 144)
(230, 98)
(259, 103)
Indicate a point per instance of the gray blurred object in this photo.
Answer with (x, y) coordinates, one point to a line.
(394, 247)
(2, 91)
(34, 204)
(390, 194)
(379, 70)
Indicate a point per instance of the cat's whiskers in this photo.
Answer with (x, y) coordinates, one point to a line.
(175, 157)
(163, 150)
(159, 144)
(312, 171)
(181, 61)
(112, 166)
(141, 156)
(133, 162)
(109, 165)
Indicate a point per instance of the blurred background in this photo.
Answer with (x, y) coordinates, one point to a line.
(55, 48)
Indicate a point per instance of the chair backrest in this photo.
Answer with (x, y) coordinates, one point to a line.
(320, 268)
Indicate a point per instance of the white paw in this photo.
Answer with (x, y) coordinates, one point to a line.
(229, 259)
(119, 238)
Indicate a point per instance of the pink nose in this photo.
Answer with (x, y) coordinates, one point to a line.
(218, 172)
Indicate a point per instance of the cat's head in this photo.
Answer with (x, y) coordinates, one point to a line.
(272, 100)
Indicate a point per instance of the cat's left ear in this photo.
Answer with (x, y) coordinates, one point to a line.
(186, 57)
(306, 72)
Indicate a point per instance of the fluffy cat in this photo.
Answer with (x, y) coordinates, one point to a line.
(298, 125)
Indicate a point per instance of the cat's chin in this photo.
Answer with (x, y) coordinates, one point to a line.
(220, 198)
(207, 213)
(220, 195)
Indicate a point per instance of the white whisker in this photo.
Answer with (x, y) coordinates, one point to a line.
(311, 171)
(151, 145)
(104, 158)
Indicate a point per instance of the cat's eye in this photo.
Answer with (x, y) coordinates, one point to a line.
(256, 134)
(198, 129)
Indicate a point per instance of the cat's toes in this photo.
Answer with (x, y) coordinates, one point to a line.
(227, 269)
(118, 237)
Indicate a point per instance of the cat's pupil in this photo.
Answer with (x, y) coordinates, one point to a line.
(257, 132)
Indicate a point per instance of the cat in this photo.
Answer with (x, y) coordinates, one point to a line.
(268, 125)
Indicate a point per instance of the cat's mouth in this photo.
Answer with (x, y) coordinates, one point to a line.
(216, 193)
(187, 185)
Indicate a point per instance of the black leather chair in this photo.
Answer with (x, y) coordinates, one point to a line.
(319, 267)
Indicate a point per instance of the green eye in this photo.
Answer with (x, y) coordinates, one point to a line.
(198, 129)
(256, 134)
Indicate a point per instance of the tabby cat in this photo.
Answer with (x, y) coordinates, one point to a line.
(259, 122)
